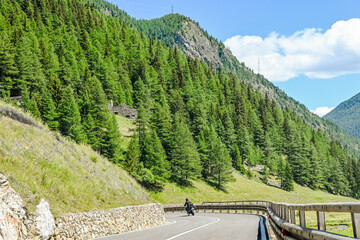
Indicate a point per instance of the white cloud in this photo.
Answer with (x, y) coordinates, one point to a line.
(311, 52)
(322, 111)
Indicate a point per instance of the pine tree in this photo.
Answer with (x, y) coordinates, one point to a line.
(30, 104)
(69, 117)
(132, 156)
(185, 161)
(219, 160)
(113, 140)
(48, 110)
(153, 156)
(8, 69)
(30, 72)
(204, 155)
(106, 138)
(285, 174)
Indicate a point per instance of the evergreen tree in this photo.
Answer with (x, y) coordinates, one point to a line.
(153, 156)
(113, 141)
(69, 117)
(284, 172)
(132, 156)
(30, 72)
(8, 69)
(220, 170)
(48, 110)
(185, 160)
(30, 104)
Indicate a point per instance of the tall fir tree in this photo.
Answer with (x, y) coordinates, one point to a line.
(8, 69)
(185, 160)
(69, 117)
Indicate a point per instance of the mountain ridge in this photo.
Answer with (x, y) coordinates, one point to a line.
(347, 115)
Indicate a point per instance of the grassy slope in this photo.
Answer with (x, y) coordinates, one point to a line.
(126, 128)
(71, 177)
(243, 189)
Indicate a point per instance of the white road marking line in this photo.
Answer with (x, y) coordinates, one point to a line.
(217, 219)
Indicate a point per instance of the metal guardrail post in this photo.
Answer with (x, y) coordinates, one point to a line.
(302, 218)
(321, 220)
(355, 218)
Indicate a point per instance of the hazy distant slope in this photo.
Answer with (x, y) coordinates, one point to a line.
(72, 178)
(347, 116)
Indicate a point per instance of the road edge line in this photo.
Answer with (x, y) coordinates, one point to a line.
(191, 230)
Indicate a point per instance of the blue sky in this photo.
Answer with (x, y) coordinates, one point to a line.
(310, 49)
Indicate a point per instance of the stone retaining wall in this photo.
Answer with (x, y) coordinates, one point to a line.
(16, 222)
(109, 222)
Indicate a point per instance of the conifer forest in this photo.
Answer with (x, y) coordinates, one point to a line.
(68, 60)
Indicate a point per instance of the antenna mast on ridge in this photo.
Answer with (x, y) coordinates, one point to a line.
(172, 9)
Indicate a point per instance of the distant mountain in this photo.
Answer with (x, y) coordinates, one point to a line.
(347, 116)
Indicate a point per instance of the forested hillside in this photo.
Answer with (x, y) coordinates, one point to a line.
(68, 60)
(347, 116)
(190, 38)
(187, 35)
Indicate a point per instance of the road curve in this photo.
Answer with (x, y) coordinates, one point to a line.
(202, 226)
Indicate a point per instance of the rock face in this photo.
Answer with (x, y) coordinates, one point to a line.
(109, 222)
(45, 223)
(13, 213)
(194, 42)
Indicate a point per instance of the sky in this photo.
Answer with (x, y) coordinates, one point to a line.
(310, 49)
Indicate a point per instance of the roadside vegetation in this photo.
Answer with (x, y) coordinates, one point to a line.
(72, 177)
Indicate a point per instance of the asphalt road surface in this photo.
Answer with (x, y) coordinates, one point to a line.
(202, 226)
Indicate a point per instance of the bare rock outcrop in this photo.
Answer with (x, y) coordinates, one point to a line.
(13, 213)
(45, 223)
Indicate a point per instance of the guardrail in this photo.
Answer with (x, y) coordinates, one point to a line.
(282, 216)
(223, 206)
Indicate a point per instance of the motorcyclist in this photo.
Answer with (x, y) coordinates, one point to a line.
(188, 205)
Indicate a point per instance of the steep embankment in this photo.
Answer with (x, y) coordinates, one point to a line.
(347, 116)
(72, 178)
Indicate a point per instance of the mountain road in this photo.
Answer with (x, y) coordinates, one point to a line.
(202, 226)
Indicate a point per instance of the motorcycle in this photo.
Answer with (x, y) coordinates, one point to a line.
(190, 210)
